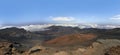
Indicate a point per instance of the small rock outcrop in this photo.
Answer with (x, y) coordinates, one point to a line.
(113, 51)
(36, 50)
(61, 53)
(8, 48)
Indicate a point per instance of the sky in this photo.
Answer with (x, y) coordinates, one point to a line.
(59, 11)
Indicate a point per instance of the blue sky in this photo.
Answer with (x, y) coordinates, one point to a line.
(59, 11)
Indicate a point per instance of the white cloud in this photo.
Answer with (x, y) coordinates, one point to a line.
(63, 18)
(36, 27)
(117, 17)
(3, 27)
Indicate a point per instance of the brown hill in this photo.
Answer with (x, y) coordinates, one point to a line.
(71, 39)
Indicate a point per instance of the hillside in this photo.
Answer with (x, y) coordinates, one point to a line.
(58, 40)
(71, 39)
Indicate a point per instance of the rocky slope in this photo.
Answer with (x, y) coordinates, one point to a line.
(100, 47)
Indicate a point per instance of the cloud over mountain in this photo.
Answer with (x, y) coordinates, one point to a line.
(42, 27)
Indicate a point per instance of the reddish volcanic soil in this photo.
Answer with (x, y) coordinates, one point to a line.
(71, 39)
